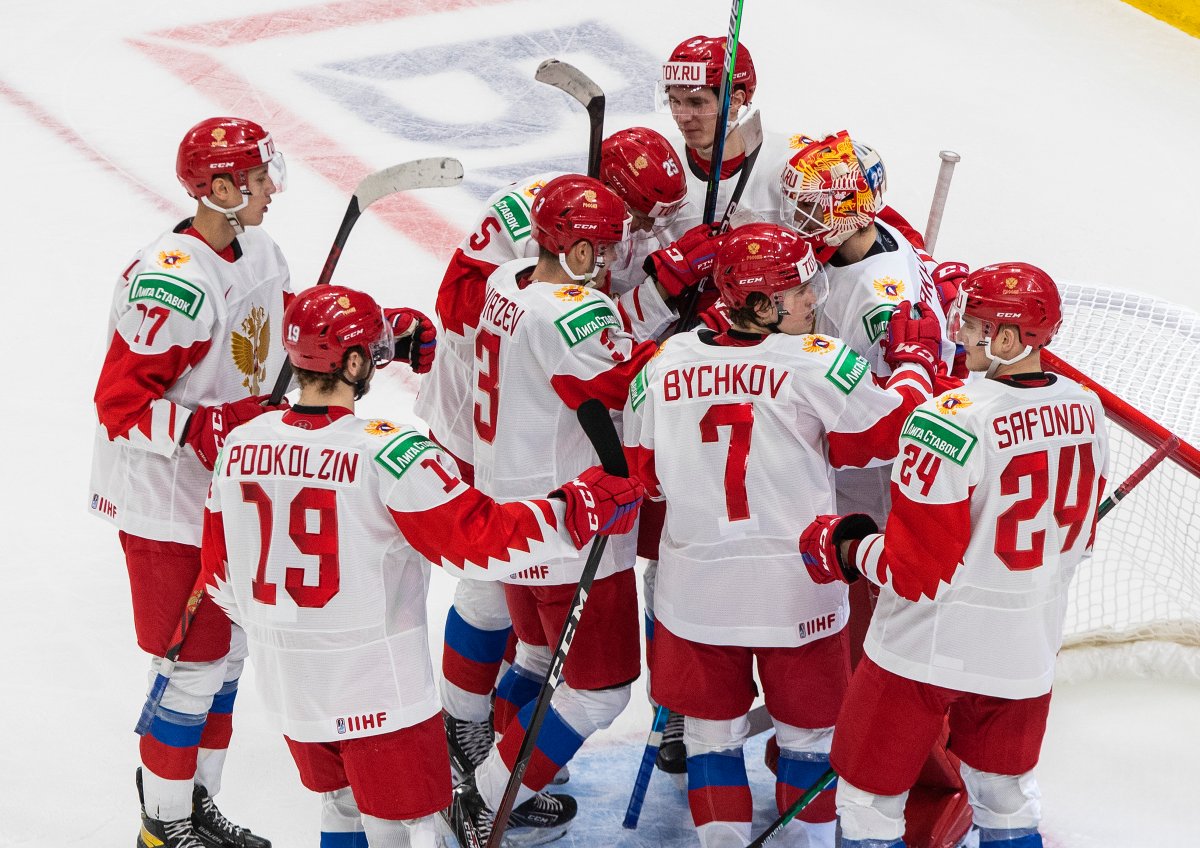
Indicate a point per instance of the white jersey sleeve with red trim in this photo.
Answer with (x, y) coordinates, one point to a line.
(318, 543)
(994, 502)
(739, 441)
(186, 329)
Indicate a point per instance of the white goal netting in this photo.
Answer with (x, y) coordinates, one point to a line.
(1135, 606)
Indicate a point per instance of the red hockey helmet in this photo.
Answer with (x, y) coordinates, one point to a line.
(766, 258)
(1009, 293)
(700, 61)
(831, 188)
(574, 208)
(644, 170)
(232, 146)
(325, 322)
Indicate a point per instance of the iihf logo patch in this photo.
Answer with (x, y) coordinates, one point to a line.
(341, 725)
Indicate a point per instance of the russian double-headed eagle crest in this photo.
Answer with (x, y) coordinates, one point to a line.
(218, 137)
(250, 350)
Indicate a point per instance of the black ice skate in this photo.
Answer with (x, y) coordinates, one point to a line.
(163, 834)
(216, 831)
(672, 755)
(469, 742)
(543, 818)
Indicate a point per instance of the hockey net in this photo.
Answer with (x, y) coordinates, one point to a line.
(1135, 605)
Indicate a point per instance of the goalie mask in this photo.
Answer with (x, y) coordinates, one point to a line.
(1006, 293)
(324, 323)
(769, 259)
(831, 188)
(573, 208)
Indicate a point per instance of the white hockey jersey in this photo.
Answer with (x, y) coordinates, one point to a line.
(541, 350)
(994, 506)
(740, 441)
(319, 534)
(502, 233)
(187, 328)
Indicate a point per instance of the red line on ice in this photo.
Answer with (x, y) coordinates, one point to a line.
(76, 141)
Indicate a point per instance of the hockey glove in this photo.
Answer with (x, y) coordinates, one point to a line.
(599, 503)
(416, 338)
(819, 545)
(208, 426)
(914, 335)
(716, 317)
(947, 278)
(684, 263)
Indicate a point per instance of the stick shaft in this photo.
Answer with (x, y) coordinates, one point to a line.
(940, 192)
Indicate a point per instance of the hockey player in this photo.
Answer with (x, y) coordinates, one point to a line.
(193, 342)
(758, 414)
(319, 532)
(547, 348)
(995, 504)
(642, 168)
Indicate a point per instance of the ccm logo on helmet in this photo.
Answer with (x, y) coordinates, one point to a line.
(1008, 314)
(215, 165)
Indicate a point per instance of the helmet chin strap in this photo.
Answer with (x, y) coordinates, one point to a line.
(994, 362)
(588, 277)
(230, 214)
(361, 387)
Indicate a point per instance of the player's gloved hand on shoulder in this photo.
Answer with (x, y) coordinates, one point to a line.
(208, 426)
(716, 317)
(416, 338)
(599, 503)
(914, 335)
(820, 540)
(947, 279)
(684, 263)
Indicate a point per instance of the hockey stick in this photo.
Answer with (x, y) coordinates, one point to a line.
(751, 130)
(597, 423)
(420, 173)
(940, 192)
(1139, 474)
(645, 769)
(568, 78)
(434, 172)
(724, 95)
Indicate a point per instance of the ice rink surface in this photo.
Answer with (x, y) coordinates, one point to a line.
(1076, 121)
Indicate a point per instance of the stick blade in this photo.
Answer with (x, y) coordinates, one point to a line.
(432, 172)
(566, 77)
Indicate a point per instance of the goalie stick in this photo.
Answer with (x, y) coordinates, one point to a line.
(420, 173)
(1164, 450)
(597, 424)
(568, 78)
(433, 172)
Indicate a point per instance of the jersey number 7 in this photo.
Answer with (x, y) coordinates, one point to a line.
(739, 418)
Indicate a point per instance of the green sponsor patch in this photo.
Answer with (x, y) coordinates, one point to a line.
(586, 320)
(637, 389)
(940, 436)
(173, 292)
(514, 215)
(847, 370)
(875, 322)
(400, 453)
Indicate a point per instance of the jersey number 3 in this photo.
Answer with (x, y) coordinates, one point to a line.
(321, 543)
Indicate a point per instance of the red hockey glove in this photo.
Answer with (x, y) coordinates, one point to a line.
(914, 335)
(208, 426)
(416, 338)
(684, 263)
(716, 317)
(819, 545)
(947, 278)
(599, 503)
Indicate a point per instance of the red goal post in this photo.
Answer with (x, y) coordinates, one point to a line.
(1135, 604)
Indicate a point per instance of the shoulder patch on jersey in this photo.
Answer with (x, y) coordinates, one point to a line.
(571, 294)
(513, 213)
(380, 427)
(939, 436)
(400, 453)
(952, 403)
(176, 293)
(889, 287)
(533, 188)
(637, 389)
(875, 322)
(586, 320)
(173, 258)
(847, 370)
(818, 344)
